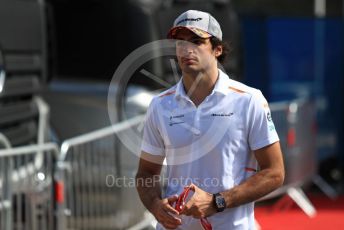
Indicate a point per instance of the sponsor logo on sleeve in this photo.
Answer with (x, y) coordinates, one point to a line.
(268, 117)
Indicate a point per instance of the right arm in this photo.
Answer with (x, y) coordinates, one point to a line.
(149, 189)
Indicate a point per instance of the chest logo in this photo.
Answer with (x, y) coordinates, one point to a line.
(174, 120)
(222, 114)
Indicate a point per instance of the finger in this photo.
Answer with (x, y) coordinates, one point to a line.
(185, 211)
(170, 226)
(169, 218)
(188, 207)
(170, 212)
(170, 209)
(188, 186)
(175, 224)
(172, 199)
(193, 187)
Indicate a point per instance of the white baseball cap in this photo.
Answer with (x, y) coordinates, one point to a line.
(199, 22)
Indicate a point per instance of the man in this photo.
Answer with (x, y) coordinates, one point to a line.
(214, 132)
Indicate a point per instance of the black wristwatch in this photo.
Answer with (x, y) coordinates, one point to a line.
(219, 202)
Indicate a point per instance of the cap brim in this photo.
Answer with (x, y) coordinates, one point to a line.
(201, 33)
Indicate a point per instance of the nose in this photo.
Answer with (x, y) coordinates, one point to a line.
(185, 47)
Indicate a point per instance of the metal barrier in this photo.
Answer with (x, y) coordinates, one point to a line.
(88, 165)
(87, 168)
(43, 119)
(26, 187)
(295, 123)
(2, 71)
(4, 142)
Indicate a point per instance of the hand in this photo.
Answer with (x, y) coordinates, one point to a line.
(162, 210)
(200, 204)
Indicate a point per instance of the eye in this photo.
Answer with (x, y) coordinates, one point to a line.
(197, 41)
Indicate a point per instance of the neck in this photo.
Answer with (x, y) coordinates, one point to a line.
(198, 85)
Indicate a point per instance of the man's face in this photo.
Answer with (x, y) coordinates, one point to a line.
(194, 54)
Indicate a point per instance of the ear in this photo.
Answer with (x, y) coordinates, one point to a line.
(218, 51)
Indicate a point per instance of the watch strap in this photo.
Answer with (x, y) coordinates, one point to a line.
(219, 202)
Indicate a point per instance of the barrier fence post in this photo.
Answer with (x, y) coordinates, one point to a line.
(59, 198)
(7, 192)
(26, 176)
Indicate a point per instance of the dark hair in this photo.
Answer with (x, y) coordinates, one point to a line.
(225, 48)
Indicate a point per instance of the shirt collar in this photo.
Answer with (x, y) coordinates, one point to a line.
(180, 92)
(221, 86)
(222, 83)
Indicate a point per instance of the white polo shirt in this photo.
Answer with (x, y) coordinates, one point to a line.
(210, 145)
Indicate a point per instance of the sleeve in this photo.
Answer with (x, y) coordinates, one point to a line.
(261, 129)
(152, 141)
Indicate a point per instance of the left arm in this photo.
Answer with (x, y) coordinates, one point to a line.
(269, 178)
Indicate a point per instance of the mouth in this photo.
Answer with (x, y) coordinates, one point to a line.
(188, 60)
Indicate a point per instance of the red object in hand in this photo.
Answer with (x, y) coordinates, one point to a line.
(181, 203)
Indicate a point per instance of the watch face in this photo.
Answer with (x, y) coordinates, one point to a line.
(220, 201)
